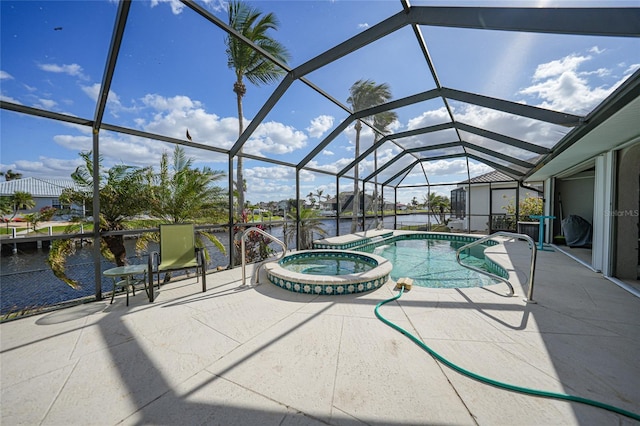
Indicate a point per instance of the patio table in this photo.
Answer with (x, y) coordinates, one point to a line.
(128, 273)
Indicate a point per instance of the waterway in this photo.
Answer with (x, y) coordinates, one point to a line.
(27, 282)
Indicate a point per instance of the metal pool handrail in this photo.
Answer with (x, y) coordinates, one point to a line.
(242, 248)
(532, 246)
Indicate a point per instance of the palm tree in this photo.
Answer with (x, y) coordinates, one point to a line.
(312, 199)
(181, 194)
(363, 94)
(381, 122)
(250, 64)
(5, 208)
(123, 193)
(318, 194)
(310, 224)
(11, 175)
(21, 200)
(439, 204)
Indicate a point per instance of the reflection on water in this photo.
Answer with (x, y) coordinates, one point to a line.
(26, 280)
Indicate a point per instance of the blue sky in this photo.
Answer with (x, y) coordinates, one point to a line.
(172, 75)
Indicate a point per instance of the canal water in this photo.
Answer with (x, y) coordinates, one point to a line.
(27, 282)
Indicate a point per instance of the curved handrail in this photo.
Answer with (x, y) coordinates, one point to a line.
(244, 257)
(532, 245)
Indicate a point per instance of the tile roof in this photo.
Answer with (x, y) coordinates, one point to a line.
(490, 177)
(36, 187)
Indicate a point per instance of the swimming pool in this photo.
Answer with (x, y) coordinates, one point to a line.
(432, 263)
(429, 258)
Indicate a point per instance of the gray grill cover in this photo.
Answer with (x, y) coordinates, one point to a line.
(577, 231)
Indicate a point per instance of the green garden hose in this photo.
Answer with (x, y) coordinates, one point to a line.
(496, 383)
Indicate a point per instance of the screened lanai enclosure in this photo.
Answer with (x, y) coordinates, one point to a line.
(368, 114)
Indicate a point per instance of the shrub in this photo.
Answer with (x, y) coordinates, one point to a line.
(530, 206)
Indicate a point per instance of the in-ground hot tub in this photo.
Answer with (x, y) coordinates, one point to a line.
(329, 272)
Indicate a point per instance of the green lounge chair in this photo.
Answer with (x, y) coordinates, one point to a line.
(177, 251)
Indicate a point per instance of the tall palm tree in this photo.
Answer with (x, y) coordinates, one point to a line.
(248, 63)
(381, 122)
(363, 94)
(123, 193)
(318, 194)
(312, 199)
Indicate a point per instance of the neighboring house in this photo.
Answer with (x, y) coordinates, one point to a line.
(330, 204)
(283, 206)
(346, 202)
(45, 192)
(489, 195)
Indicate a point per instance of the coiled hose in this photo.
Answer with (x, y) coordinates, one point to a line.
(496, 383)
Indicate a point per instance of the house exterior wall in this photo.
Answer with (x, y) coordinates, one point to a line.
(498, 196)
(627, 214)
(478, 208)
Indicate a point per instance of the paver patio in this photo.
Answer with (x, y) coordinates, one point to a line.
(259, 355)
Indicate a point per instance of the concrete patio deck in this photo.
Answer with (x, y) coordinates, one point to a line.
(259, 355)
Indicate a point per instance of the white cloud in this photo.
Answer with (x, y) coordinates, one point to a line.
(564, 85)
(74, 143)
(363, 26)
(271, 183)
(600, 72)
(275, 138)
(216, 5)
(5, 75)
(327, 152)
(631, 69)
(176, 6)
(272, 173)
(46, 104)
(173, 116)
(47, 167)
(161, 103)
(567, 92)
(93, 92)
(320, 125)
(114, 105)
(333, 167)
(559, 67)
(10, 99)
(429, 118)
(74, 70)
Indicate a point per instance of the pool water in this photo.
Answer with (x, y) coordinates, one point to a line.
(327, 265)
(432, 263)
